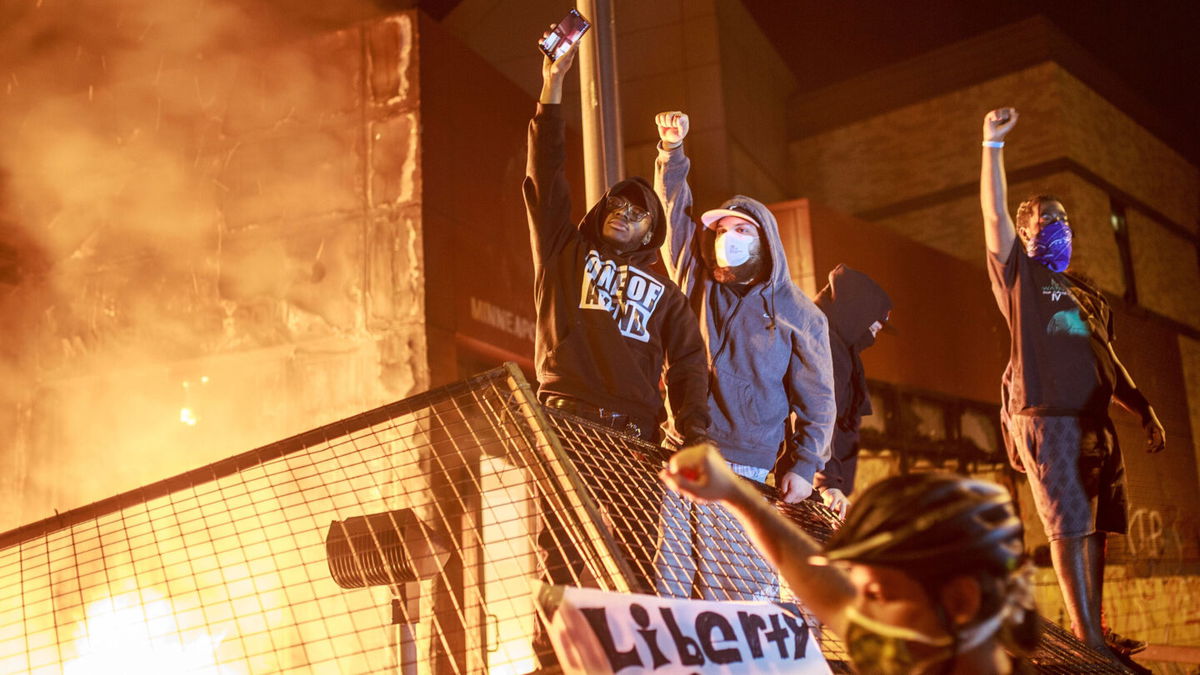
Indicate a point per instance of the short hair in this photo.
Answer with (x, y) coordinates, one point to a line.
(1025, 210)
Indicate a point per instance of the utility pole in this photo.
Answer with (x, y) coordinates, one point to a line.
(603, 151)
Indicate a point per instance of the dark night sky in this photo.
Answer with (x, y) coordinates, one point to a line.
(1151, 45)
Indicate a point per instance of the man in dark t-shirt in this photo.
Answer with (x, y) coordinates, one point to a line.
(1062, 374)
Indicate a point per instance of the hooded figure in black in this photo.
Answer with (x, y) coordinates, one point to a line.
(857, 308)
(606, 322)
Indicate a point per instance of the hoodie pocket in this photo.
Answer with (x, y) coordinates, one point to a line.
(753, 405)
(739, 401)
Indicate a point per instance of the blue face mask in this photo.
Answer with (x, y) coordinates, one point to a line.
(1051, 246)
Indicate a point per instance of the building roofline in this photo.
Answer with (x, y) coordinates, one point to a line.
(967, 63)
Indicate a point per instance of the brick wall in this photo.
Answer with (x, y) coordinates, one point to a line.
(1166, 268)
(920, 150)
(915, 169)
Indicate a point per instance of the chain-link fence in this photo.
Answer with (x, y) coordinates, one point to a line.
(403, 539)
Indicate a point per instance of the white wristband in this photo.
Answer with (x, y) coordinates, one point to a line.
(993, 144)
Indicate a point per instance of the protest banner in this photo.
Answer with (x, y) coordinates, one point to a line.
(597, 632)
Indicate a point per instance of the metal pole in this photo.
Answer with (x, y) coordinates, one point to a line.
(406, 603)
(603, 151)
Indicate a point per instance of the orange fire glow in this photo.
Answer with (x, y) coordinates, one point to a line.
(128, 634)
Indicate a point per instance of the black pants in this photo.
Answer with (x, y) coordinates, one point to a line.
(625, 483)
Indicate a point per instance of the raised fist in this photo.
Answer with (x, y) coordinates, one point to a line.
(699, 473)
(672, 127)
(998, 123)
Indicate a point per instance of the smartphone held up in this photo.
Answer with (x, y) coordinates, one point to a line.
(566, 33)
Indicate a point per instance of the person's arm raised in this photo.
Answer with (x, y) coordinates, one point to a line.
(998, 228)
(555, 72)
(701, 474)
(670, 182)
(546, 191)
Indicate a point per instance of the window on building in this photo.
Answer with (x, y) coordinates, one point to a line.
(1121, 231)
(979, 430)
(919, 428)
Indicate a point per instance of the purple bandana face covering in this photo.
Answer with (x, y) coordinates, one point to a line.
(1051, 246)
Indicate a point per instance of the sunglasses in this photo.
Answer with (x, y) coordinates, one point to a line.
(623, 205)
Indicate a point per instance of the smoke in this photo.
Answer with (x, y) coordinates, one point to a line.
(126, 190)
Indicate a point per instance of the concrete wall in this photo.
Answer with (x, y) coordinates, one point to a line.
(479, 283)
(950, 339)
(915, 169)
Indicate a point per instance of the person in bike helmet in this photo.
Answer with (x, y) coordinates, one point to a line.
(928, 573)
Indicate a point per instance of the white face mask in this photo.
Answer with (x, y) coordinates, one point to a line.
(733, 248)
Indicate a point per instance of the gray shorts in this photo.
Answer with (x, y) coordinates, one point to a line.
(1075, 472)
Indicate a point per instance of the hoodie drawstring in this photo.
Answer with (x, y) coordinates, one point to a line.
(771, 311)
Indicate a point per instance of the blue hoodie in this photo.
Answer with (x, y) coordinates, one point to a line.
(770, 372)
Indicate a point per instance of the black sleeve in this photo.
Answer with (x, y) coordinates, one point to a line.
(843, 443)
(832, 475)
(687, 371)
(547, 193)
(1126, 392)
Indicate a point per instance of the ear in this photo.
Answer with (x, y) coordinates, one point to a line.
(961, 597)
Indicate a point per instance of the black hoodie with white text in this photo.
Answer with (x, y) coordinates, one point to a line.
(607, 323)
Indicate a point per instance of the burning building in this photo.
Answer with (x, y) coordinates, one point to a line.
(222, 224)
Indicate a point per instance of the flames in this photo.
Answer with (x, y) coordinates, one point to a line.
(187, 414)
(137, 633)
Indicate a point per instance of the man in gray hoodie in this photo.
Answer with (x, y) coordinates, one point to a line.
(770, 370)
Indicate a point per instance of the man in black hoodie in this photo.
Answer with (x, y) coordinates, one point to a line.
(606, 322)
(857, 309)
